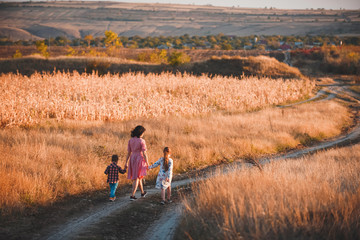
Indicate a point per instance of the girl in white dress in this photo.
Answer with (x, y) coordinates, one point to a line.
(163, 180)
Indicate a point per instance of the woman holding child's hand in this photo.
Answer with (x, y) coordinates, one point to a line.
(138, 160)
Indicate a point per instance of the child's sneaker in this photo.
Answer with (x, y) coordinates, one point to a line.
(162, 202)
(111, 199)
(169, 201)
(132, 198)
(143, 194)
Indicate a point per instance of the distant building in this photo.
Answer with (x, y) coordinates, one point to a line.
(299, 44)
(163, 46)
(285, 47)
(263, 42)
(189, 45)
(247, 47)
(309, 46)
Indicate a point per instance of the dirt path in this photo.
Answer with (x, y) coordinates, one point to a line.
(164, 226)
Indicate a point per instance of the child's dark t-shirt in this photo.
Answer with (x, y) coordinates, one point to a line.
(113, 171)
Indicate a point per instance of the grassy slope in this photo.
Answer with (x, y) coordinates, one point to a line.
(223, 65)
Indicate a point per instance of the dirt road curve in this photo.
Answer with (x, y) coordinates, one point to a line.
(164, 227)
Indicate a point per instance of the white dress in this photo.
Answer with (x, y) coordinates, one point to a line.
(161, 182)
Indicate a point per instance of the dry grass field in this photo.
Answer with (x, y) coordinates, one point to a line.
(59, 130)
(315, 197)
(33, 20)
(43, 163)
(27, 100)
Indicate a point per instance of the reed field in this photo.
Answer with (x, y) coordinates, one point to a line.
(42, 164)
(315, 197)
(59, 130)
(27, 100)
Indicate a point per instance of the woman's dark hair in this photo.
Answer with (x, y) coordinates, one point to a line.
(114, 158)
(138, 130)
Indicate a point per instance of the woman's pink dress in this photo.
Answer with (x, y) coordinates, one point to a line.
(137, 165)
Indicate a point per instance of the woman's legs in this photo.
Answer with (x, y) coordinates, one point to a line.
(141, 186)
(136, 183)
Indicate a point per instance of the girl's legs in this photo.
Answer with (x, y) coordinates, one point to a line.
(168, 193)
(163, 194)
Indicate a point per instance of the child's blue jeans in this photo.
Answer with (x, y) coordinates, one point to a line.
(113, 187)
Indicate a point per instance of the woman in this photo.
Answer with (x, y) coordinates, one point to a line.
(138, 160)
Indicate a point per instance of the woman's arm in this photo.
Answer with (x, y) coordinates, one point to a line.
(128, 155)
(127, 159)
(145, 157)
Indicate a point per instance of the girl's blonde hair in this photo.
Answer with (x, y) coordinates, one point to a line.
(166, 158)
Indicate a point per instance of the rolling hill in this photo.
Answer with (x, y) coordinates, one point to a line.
(75, 19)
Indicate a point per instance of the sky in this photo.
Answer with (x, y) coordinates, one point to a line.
(280, 4)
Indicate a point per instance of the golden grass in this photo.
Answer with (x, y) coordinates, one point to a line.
(28, 100)
(45, 162)
(73, 123)
(315, 197)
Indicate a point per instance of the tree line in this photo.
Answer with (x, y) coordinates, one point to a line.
(219, 41)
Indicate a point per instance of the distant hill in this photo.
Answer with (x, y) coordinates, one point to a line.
(33, 20)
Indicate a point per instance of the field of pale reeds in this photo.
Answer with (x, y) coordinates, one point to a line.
(315, 197)
(42, 164)
(26, 100)
(72, 124)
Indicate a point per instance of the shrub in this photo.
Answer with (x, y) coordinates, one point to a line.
(178, 58)
(17, 54)
(71, 52)
(156, 56)
(100, 67)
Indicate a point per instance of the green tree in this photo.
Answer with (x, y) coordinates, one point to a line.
(42, 48)
(159, 57)
(112, 39)
(61, 41)
(226, 46)
(88, 39)
(112, 43)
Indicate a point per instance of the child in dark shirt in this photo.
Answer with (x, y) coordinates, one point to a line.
(113, 171)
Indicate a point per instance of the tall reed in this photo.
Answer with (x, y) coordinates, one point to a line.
(28, 100)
